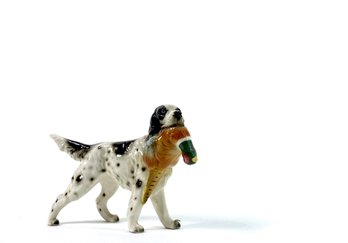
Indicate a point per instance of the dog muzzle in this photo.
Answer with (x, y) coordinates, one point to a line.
(188, 151)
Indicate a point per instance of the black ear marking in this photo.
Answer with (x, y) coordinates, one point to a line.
(157, 116)
(155, 125)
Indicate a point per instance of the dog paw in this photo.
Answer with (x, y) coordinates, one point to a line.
(136, 229)
(113, 219)
(53, 222)
(175, 224)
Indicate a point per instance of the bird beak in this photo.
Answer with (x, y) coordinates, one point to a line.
(188, 152)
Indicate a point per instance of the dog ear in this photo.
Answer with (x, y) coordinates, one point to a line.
(155, 125)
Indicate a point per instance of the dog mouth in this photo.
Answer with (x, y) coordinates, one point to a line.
(175, 122)
(174, 125)
(188, 152)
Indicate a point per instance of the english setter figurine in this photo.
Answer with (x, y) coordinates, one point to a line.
(142, 166)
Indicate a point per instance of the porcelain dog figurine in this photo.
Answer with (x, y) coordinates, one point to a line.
(142, 166)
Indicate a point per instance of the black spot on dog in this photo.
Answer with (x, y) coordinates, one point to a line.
(104, 194)
(66, 194)
(103, 171)
(72, 178)
(118, 164)
(120, 148)
(52, 210)
(143, 168)
(138, 183)
(56, 222)
(132, 171)
(135, 198)
(99, 147)
(91, 179)
(131, 209)
(100, 209)
(128, 183)
(79, 178)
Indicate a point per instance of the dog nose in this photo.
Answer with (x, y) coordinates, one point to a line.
(177, 114)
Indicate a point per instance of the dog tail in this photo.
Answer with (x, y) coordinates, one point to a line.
(75, 149)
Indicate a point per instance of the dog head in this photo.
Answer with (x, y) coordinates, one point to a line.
(165, 116)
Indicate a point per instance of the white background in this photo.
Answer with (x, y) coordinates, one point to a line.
(262, 86)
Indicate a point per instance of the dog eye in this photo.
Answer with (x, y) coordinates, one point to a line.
(162, 111)
(161, 116)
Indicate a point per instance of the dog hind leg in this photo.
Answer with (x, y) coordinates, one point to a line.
(109, 187)
(80, 184)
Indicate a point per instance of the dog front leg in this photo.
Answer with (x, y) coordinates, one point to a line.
(159, 203)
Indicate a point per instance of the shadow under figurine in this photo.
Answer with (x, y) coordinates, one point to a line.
(142, 166)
